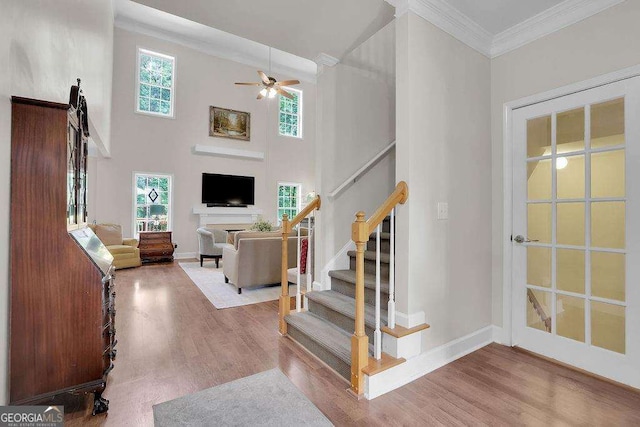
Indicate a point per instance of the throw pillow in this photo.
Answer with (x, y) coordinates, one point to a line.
(304, 247)
(109, 234)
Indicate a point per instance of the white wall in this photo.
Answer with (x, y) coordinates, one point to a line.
(154, 144)
(44, 47)
(356, 106)
(598, 45)
(443, 153)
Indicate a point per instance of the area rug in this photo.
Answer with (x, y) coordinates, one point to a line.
(264, 399)
(210, 280)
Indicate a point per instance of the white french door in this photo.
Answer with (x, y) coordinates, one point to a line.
(576, 230)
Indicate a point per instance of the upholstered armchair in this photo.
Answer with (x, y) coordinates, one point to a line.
(210, 243)
(125, 251)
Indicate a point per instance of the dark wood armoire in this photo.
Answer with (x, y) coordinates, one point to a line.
(62, 332)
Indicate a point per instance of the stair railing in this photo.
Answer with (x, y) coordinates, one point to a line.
(360, 233)
(539, 309)
(287, 226)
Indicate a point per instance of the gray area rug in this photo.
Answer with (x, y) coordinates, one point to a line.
(264, 399)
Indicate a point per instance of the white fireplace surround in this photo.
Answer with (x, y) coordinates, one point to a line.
(207, 215)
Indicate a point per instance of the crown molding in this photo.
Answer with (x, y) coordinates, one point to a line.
(450, 20)
(326, 60)
(135, 17)
(547, 22)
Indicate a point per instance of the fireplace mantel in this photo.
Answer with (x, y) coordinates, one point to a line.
(226, 215)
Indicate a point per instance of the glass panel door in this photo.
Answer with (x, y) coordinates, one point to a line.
(575, 247)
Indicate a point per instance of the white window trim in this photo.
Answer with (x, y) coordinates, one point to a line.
(298, 202)
(137, 110)
(134, 203)
(300, 114)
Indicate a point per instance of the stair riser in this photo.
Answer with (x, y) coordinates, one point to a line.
(340, 320)
(370, 266)
(349, 289)
(385, 245)
(327, 357)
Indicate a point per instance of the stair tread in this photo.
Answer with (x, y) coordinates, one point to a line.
(335, 340)
(347, 306)
(383, 236)
(369, 279)
(371, 255)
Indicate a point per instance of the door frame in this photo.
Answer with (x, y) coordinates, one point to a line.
(506, 337)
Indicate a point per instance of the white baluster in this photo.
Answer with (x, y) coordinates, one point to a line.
(391, 317)
(298, 293)
(377, 337)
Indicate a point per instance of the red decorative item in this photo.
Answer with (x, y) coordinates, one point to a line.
(304, 247)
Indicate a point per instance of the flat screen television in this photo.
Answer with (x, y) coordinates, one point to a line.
(227, 190)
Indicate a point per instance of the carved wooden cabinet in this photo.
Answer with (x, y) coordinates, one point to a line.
(62, 331)
(156, 246)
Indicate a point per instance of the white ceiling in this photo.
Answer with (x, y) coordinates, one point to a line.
(496, 16)
(301, 30)
(303, 27)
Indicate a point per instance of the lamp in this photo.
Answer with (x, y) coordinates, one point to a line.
(263, 92)
(561, 162)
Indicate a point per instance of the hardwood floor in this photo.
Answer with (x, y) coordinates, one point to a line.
(173, 342)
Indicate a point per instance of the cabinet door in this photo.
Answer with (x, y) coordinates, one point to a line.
(72, 162)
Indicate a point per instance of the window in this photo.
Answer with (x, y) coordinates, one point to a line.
(291, 114)
(152, 207)
(288, 199)
(155, 83)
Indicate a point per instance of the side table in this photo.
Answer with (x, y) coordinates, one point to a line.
(156, 246)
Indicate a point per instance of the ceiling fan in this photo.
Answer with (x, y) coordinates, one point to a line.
(271, 87)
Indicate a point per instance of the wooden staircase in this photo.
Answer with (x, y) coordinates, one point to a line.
(326, 328)
(344, 326)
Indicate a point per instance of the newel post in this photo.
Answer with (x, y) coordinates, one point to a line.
(285, 302)
(359, 340)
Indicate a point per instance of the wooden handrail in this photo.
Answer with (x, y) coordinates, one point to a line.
(313, 205)
(360, 232)
(399, 195)
(284, 306)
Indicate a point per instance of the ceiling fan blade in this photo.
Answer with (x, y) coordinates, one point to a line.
(288, 82)
(284, 93)
(264, 77)
(259, 96)
(249, 84)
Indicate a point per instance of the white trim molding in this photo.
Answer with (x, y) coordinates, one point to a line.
(452, 21)
(326, 59)
(549, 21)
(339, 262)
(426, 362)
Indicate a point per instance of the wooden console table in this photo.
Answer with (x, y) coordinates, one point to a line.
(156, 246)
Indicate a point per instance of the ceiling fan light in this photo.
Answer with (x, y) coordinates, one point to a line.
(272, 92)
(263, 92)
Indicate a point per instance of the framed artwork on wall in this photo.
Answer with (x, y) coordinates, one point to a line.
(225, 123)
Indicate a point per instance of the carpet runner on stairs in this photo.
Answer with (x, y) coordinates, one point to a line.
(326, 328)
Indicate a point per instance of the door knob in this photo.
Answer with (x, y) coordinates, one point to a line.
(521, 239)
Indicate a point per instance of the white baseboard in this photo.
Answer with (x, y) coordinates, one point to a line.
(185, 255)
(339, 262)
(426, 362)
(498, 335)
(410, 320)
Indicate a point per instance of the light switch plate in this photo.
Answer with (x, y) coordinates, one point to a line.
(443, 210)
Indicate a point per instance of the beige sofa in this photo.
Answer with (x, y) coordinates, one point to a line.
(255, 258)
